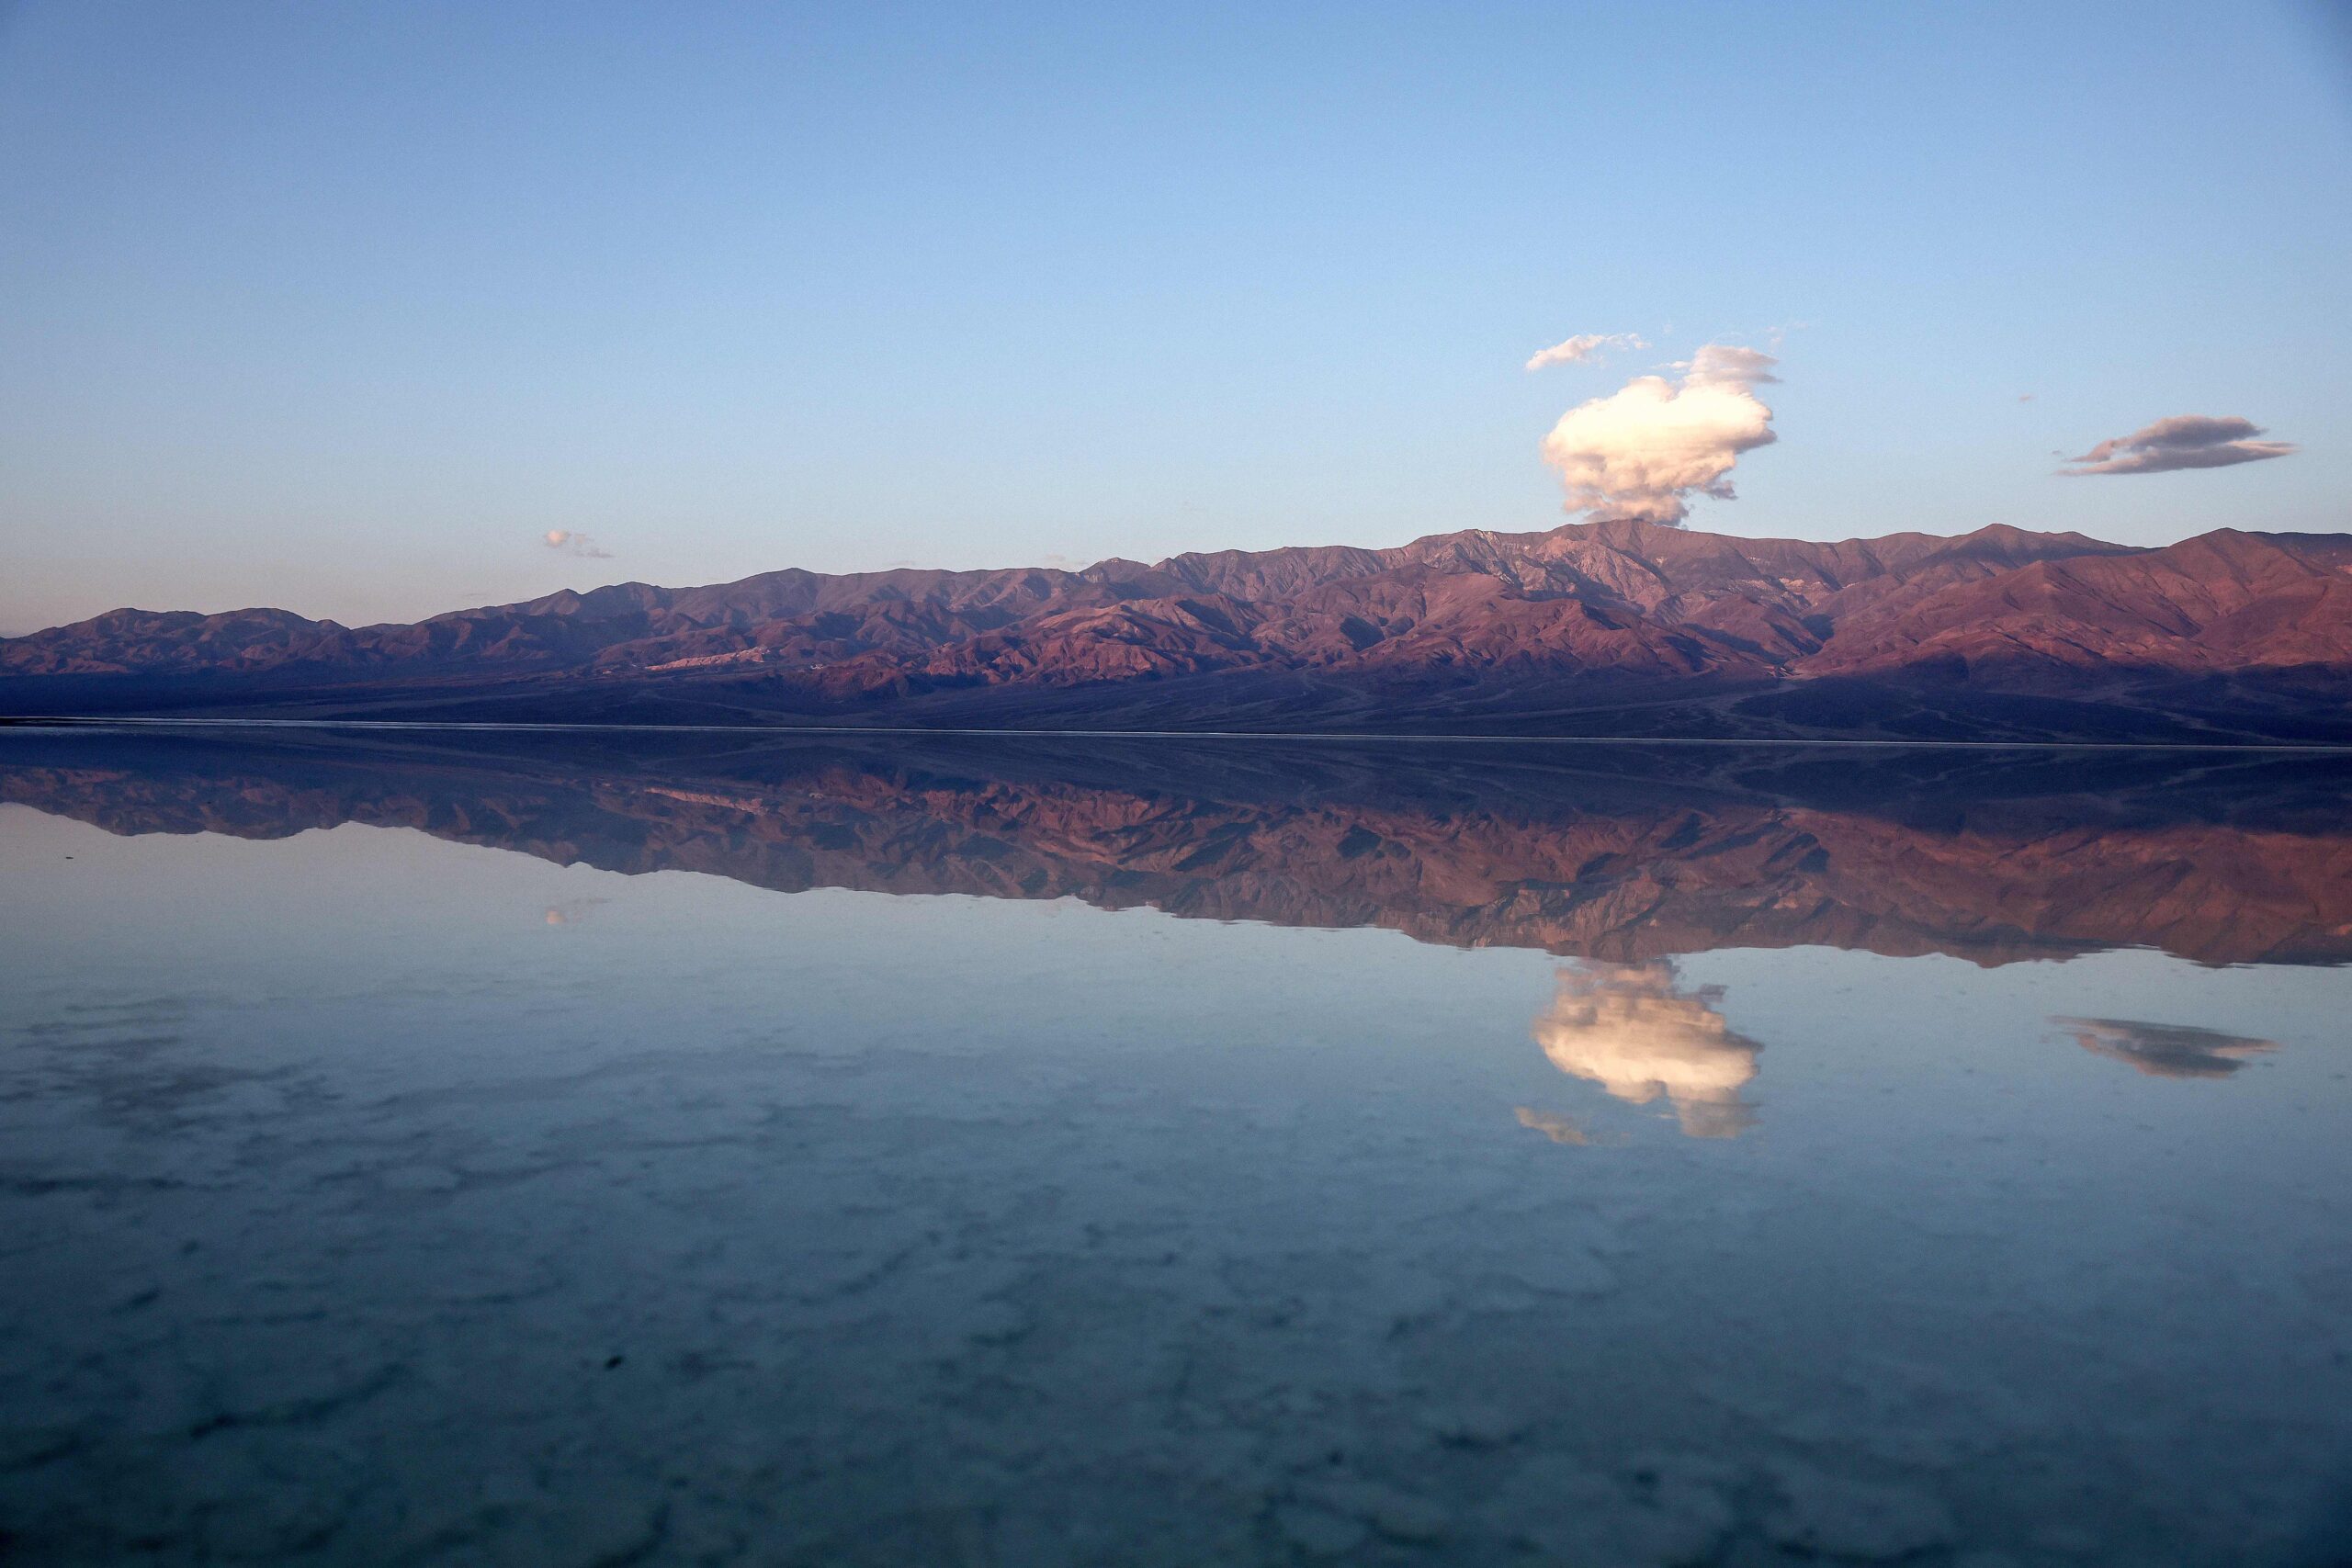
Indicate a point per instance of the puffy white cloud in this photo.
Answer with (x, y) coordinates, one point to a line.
(1583, 347)
(572, 543)
(1642, 450)
(1631, 1030)
(2184, 440)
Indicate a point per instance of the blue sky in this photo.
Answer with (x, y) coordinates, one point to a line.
(342, 307)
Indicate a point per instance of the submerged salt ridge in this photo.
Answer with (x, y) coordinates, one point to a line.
(377, 1196)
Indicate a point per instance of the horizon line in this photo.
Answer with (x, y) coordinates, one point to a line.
(104, 721)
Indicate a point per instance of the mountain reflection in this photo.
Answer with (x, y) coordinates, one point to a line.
(1621, 855)
(2165, 1050)
(1632, 1030)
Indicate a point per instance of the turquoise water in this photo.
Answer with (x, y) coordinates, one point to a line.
(843, 1157)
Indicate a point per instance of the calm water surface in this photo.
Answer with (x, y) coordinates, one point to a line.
(818, 1154)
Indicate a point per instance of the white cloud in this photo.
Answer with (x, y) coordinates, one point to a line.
(573, 543)
(1727, 365)
(1641, 451)
(1584, 347)
(2184, 440)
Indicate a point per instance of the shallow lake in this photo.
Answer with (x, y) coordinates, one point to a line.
(480, 1149)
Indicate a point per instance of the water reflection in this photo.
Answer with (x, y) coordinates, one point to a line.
(353, 1213)
(2165, 1050)
(1558, 1128)
(1618, 854)
(1634, 1030)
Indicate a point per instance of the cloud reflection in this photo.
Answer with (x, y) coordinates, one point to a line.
(1630, 1029)
(2165, 1050)
(1559, 1129)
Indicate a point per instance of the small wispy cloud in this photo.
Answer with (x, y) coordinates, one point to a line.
(1584, 348)
(1642, 450)
(1727, 365)
(573, 543)
(2184, 440)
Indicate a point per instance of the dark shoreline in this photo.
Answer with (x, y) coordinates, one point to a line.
(141, 722)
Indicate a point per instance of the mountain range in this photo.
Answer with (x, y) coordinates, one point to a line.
(1615, 627)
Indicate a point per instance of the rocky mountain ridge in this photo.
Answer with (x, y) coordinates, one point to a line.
(1505, 626)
